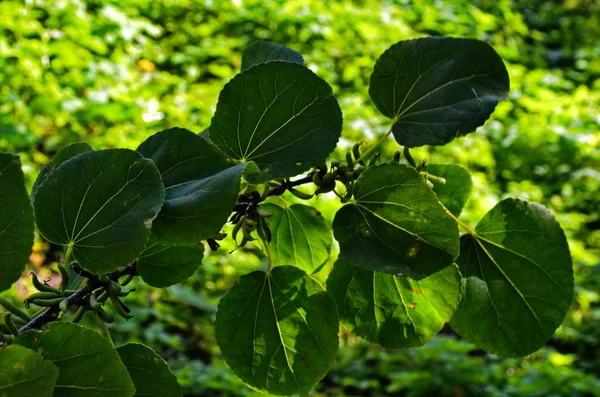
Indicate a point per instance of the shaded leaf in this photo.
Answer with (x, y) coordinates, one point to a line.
(301, 237)
(60, 157)
(396, 224)
(262, 51)
(278, 332)
(24, 373)
(437, 88)
(280, 115)
(148, 371)
(396, 312)
(164, 265)
(102, 203)
(16, 221)
(518, 278)
(201, 186)
(455, 193)
(87, 362)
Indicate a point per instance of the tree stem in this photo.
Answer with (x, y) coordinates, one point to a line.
(376, 144)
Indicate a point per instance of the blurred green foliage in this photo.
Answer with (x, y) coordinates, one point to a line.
(113, 72)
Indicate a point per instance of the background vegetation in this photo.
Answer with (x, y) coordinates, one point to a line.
(112, 72)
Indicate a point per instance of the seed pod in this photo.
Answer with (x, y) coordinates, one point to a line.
(45, 302)
(43, 295)
(356, 152)
(324, 189)
(42, 286)
(124, 293)
(64, 274)
(69, 292)
(131, 276)
(396, 157)
(301, 195)
(328, 179)
(349, 175)
(317, 179)
(94, 304)
(103, 297)
(235, 230)
(64, 305)
(335, 163)
(104, 278)
(9, 324)
(374, 159)
(104, 316)
(14, 310)
(358, 169)
(349, 159)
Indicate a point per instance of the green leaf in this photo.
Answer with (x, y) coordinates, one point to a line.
(150, 373)
(518, 278)
(60, 157)
(280, 115)
(88, 363)
(24, 373)
(396, 224)
(437, 88)
(301, 237)
(396, 312)
(201, 186)
(278, 332)
(163, 265)
(16, 221)
(102, 203)
(264, 51)
(455, 193)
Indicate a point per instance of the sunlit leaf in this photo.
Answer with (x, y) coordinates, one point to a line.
(102, 203)
(396, 312)
(518, 279)
(437, 88)
(148, 371)
(396, 224)
(280, 115)
(24, 373)
(455, 192)
(88, 364)
(278, 332)
(16, 220)
(262, 51)
(301, 237)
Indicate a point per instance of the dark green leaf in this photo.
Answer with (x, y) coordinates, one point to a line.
(205, 134)
(301, 237)
(163, 265)
(396, 312)
(278, 332)
(264, 51)
(88, 363)
(437, 88)
(396, 224)
(24, 373)
(518, 279)
(201, 186)
(455, 193)
(279, 115)
(150, 373)
(16, 221)
(60, 157)
(102, 203)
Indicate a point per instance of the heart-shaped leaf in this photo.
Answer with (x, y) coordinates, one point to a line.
(101, 204)
(436, 89)
(150, 373)
(25, 373)
(396, 312)
(396, 224)
(518, 278)
(278, 332)
(16, 220)
(280, 115)
(164, 265)
(201, 186)
(456, 188)
(87, 362)
(301, 237)
(264, 51)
